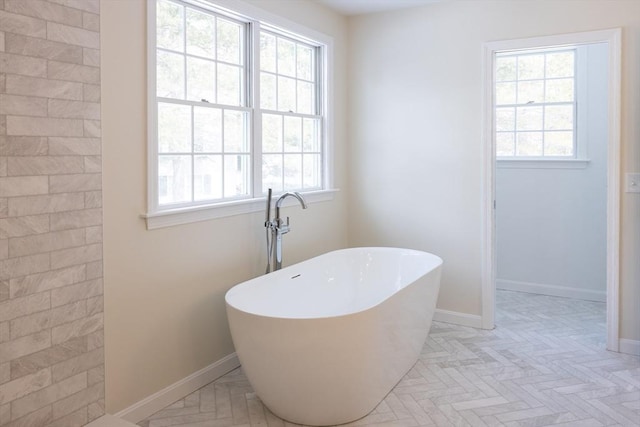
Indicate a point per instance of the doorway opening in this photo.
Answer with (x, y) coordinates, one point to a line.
(535, 140)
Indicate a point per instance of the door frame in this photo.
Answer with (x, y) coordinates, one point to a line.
(613, 37)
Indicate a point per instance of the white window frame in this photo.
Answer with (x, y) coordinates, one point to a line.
(579, 160)
(162, 216)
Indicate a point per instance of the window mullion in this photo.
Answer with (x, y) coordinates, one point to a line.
(184, 52)
(321, 110)
(515, 114)
(302, 152)
(222, 152)
(544, 105)
(284, 188)
(576, 57)
(153, 159)
(193, 154)
(253, 50)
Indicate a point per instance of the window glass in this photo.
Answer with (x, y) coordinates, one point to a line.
(200, 79)
(170, 25)
(170, 75)
(201, 40)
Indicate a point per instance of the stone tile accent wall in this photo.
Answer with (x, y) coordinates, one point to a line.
(51, 304)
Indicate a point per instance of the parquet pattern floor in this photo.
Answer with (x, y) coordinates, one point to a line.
(545, 364)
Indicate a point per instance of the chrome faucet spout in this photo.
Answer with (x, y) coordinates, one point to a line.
(295, 194)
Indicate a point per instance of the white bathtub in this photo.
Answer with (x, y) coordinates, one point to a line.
(322, 342)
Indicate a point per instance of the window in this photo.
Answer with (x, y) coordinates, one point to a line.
(202, 111)
(535, 105)
(237, 106)
(291, 149)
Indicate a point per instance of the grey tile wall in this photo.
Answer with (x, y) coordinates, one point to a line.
(51, 304)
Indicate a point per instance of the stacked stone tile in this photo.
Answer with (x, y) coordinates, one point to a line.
(51, 304)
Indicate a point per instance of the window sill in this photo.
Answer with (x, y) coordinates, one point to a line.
(169, 218)
(542, 163)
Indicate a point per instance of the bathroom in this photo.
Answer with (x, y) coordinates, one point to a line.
(406, 161)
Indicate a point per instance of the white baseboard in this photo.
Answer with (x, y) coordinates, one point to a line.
(462, 319)
(552, 290)
(629, 346)
(178, 390)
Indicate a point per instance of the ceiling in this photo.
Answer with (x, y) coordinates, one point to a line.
(359, 7)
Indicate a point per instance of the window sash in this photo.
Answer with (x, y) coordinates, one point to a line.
(543, 130)
(318, 112)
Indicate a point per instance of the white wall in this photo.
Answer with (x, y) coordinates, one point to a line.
(551, 223)
(164, 289)
(415, 132)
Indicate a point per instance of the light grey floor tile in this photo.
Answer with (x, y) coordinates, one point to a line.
(545, 364)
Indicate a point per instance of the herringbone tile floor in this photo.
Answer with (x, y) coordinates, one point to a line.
(544, 364)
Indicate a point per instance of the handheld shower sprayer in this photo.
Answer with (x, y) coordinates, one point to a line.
(268, 225)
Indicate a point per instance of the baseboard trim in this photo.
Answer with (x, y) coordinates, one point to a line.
(552, 290)
(629, 346)
(178, 390)
(462, 319)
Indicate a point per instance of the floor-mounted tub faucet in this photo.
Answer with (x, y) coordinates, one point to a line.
(276, 227)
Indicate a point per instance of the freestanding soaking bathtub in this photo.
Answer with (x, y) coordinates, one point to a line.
(322, 342)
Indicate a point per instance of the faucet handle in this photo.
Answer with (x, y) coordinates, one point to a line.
(283, 226)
